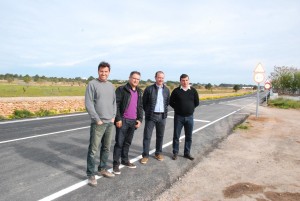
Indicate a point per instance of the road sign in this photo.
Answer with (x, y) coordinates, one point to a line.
(259, 69)
(259, 77)
(259, 73)
(268, 85)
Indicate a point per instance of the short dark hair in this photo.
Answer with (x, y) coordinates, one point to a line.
(158, 72)
(135, 72)
(183, 76)
(104, 64)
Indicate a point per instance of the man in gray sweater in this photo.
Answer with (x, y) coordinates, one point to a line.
(100, 103)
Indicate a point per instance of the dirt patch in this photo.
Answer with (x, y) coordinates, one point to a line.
(239, 189)
(261, 163)
(285, 196)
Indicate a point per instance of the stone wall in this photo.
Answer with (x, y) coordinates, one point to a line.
(33, 104)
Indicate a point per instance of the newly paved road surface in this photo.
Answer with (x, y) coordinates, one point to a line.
(45, 158)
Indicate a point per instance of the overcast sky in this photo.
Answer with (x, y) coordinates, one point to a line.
(213, 41)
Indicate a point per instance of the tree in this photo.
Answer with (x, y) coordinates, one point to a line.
(285, 79)
(89, 79)
(295, 85)
(208, 86)
(27, 79)
(36, 78)
(236, 87)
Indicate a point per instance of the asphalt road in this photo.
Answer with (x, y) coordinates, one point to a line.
(45, 158)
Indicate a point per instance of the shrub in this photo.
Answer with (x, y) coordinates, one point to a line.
(284, 103)
(44, 113)
(18, 114)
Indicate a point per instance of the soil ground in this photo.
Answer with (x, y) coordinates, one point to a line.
(261, 163)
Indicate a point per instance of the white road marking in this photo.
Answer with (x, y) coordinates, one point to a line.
(83, 183)
(171, 117)
(34, 136)
(41, 118)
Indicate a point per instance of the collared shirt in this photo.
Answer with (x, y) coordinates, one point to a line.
(159, 107)
(189, 87)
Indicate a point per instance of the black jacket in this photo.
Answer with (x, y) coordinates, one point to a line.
(123, 99)
(149, 100)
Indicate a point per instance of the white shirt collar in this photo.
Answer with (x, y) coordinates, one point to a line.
(189, 87)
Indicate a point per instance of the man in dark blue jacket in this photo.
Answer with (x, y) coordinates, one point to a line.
(128, 118)
(155, 103)
(184, 100)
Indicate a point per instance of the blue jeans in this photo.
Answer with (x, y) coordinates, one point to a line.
(188, 124)
(124, 137)
(159, 124)
(99, 133)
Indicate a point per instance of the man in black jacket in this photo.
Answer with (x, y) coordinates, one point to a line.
(128, 118)
(155, 103)
(184, 100)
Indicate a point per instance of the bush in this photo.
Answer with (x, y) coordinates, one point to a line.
(18, 114)
(284, 103)
(44, 113)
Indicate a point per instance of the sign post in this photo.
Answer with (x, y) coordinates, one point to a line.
(267, 87)
(259, 76)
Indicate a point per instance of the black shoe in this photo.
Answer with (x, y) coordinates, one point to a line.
(188, 156)
(116, 170)
(174, 157)
(128, 164)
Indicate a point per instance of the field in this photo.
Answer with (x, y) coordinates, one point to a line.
(9, 90)
(34, 90)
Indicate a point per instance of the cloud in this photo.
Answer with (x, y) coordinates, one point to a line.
(215, 41)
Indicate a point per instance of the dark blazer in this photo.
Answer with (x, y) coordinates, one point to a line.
(149, 100)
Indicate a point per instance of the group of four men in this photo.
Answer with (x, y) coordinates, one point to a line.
(124, 109)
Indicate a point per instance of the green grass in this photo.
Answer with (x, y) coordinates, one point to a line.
(7, 90)
(242, 126)
(284, 103)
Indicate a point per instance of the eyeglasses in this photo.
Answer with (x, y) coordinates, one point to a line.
(135, 78)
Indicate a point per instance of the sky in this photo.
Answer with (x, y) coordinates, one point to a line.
(213, 41)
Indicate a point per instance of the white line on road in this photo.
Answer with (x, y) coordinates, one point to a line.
(83, 183)
(25, 138)
(53, 133)
(171, 117)
(41, 118)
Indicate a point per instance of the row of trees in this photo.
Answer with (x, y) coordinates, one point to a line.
(11, 77)
(39, 79)
(285, 80)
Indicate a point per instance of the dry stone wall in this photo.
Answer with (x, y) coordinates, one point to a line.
(34, 104)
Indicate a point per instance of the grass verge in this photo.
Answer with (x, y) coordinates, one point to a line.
(284, 103)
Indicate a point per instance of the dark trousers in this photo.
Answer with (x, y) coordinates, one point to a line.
(124, 136)
(188, 124)
(159, 123)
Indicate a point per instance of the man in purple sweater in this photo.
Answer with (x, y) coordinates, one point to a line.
(184, 100)
(128, 118)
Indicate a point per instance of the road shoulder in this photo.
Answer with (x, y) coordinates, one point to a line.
(261, 163)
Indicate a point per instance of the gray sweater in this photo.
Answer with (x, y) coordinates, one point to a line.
(100, 101)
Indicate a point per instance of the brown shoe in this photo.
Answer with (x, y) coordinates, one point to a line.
(144, 160)
(92, 181)
(105, 173)
(159, 157)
